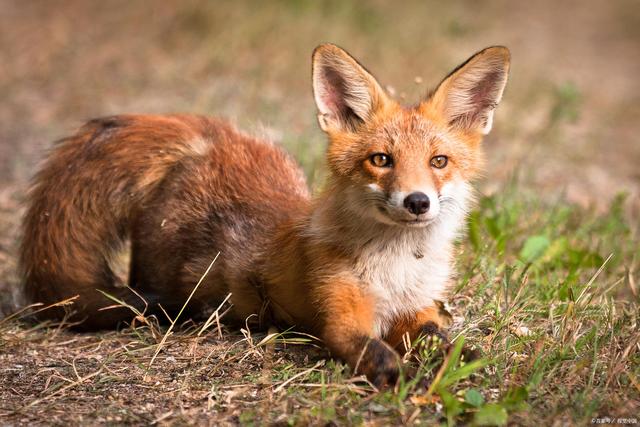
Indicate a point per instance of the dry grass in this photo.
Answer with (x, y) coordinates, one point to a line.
(560, 340)
(53, 376)
(549, 299)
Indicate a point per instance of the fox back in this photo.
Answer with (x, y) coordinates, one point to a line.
(177, 189)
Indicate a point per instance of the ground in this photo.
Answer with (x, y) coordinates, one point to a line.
(547, 284)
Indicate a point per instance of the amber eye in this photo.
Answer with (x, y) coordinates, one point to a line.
(439, 161)
(380, 160)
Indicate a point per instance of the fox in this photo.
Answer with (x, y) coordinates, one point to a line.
(362, 265)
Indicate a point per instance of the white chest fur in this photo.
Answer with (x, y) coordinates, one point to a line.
(405, 273)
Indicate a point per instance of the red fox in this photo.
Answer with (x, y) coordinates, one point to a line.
(360, 265)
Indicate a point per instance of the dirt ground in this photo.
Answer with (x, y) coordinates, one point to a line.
(568, 124)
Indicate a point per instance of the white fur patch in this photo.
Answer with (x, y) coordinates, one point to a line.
(196, 147)
(375, 188)
(404, 275)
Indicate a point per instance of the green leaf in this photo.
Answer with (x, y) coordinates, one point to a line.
(452, 406)
(454, 356)
(592, 260)
(492, 226)
(462, 372)
(475, 236)
(556, 249)
(515, 399)
(473, 397)
(491, 415)
(564, 291)
(534, 247)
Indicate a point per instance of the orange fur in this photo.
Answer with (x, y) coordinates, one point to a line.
(413, 326)
(359, 265)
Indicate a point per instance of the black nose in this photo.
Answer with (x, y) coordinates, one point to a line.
(417, 203)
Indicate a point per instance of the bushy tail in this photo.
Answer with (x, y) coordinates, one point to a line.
(81, 205)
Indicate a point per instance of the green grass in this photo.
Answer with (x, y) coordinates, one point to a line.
(546, 292)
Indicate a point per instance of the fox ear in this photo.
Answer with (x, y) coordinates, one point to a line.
(468, 96)
(345, 93)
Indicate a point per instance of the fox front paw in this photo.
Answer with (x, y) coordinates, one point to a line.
(380, 363)
(432, 331)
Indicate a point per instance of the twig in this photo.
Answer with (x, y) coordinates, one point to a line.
(214, 317)
(19, 314)
(298, 375)
(593, 278)
(67, 387)
(173, 322)
(439, 374)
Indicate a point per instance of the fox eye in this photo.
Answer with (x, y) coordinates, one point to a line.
(380, 160)
(439, 162)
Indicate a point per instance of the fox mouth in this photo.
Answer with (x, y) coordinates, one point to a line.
(405, 222)
(417, 222)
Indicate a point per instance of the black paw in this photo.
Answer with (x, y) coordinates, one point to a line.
(380, 363)
(385, 378)
(432, 331)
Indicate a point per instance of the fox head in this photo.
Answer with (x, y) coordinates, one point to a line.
(404, 165)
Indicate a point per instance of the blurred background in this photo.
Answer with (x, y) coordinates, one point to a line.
(568, 125)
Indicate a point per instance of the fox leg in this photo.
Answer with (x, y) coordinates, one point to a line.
(431, 321)
(347, 331)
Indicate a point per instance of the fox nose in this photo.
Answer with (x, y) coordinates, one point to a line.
(417, 203)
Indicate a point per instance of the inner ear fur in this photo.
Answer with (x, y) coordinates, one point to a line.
(467, 97)
(345, 93)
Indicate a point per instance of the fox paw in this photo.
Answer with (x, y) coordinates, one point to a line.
(433, 332)
(430, 329)
(380, 363)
